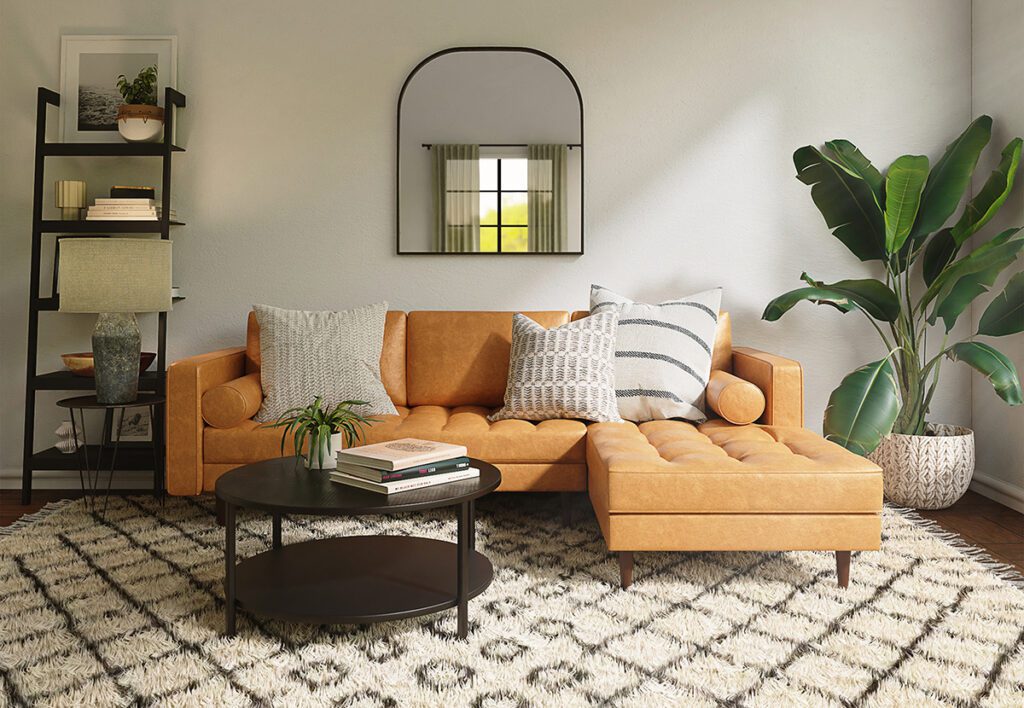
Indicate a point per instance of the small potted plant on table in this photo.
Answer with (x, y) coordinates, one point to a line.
(323, 428)
(139, 119)
(880, 410)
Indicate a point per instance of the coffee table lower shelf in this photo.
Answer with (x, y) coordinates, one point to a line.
(356, 579)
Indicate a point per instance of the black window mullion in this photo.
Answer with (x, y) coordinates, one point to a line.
(499, 206)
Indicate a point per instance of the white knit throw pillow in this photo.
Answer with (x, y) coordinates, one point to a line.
(331, 354)
(564, 372)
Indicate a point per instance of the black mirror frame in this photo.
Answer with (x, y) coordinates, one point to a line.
(398, 153)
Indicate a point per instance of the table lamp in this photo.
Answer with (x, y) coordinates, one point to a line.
(115, 278)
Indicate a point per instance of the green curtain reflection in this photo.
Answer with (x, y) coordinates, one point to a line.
(456, 198)
(546, 199)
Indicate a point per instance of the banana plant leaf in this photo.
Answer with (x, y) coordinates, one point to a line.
(872, 296)
(994, 365)
(863, 409)
(1002, 249)
(950, 176)
(849, 156)
(963, 293)
(987, 202)
(939, 253)
(1005, 314)
(846, 202)
(903, 185)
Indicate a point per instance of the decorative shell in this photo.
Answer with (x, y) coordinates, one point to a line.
(66, 438)
(66, 445)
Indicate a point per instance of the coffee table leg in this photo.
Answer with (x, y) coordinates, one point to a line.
(276, 542)
(472, 525)
(462, 590)
(229, 569)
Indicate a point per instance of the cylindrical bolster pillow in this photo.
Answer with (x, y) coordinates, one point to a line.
(227, 405)
(734, 399)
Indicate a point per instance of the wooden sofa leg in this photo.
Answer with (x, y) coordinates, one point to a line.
(220, 512)
(565, 501)
(843, 568)
(626, 568)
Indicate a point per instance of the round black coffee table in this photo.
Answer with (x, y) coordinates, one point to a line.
(354, 579)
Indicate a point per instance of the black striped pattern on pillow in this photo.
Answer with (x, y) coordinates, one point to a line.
(662, 353)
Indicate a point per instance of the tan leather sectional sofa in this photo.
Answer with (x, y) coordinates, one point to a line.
(724, 485)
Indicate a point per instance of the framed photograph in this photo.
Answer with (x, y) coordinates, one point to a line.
(137, 427)
(89, 67)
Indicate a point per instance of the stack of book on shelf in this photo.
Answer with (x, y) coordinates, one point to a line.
(403, 465)
(126, 209)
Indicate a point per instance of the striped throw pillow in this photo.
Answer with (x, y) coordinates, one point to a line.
(662, 353)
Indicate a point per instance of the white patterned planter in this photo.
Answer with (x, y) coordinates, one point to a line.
(926, 471)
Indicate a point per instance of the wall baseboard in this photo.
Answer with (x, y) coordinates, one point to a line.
(11, 479)
(999, 490)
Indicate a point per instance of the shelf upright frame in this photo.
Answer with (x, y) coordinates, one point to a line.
(157, 381)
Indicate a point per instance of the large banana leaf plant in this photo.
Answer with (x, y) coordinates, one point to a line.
(931, 274)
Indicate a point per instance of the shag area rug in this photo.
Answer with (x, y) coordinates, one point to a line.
(127, 609)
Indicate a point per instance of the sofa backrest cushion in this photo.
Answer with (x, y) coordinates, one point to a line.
(468, 353)
(392, 358)
(462, 358)
(721, 354)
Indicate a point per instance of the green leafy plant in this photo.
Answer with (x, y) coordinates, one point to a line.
(140, 91)
(317, 424)
(899, 220)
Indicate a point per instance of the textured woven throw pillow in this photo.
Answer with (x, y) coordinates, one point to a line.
(662, 353)
(564, 372)
(331, 354)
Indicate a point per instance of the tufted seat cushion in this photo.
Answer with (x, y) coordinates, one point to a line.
(508, 441)
(676, 467)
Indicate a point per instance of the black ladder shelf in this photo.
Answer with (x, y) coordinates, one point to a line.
(154, 380)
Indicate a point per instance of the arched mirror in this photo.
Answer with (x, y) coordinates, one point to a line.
(490, 154)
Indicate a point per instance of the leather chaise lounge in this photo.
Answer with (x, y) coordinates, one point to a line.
(749, 479)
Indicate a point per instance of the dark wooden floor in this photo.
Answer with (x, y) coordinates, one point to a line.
(981, 521)
(987, 524)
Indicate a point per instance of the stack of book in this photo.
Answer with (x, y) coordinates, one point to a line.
(403, 465)
(126, 209)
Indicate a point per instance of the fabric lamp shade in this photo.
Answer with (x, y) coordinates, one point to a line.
(114, 275)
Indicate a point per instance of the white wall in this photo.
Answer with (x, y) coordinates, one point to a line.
(997, 81)
(693, 111)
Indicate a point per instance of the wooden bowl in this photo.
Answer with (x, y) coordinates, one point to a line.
(81, 363)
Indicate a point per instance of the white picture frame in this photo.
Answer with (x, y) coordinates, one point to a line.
(87, 60)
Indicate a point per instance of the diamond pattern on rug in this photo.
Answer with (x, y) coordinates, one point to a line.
(127, 609)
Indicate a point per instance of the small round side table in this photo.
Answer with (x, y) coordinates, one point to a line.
(91, 474)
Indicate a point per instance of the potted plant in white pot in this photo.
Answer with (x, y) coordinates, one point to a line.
(931, 276)
(323, 428)
(139, 119)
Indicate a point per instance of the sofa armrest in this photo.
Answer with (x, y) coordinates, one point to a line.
(187, 381)
(781, 380)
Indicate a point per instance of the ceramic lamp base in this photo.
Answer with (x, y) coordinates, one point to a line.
(116, 345)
